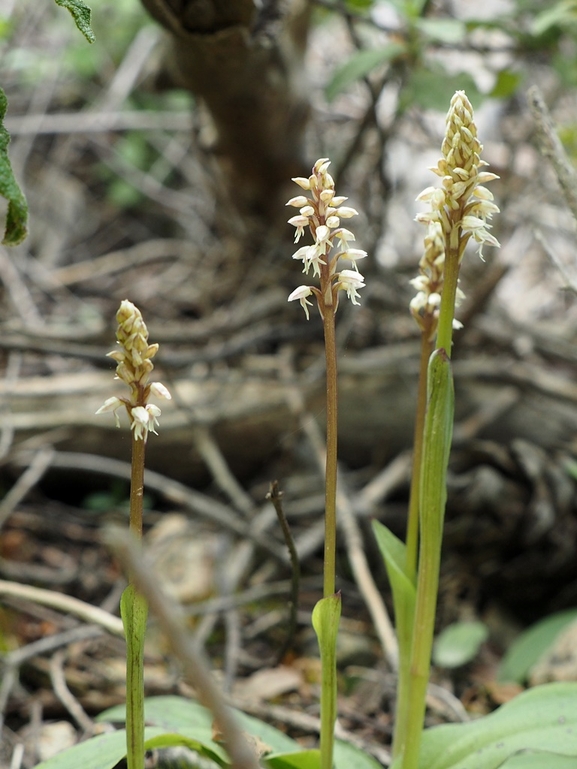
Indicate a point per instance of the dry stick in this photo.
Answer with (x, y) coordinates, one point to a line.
(65, 604)
(353, 538)
(175, 492)
(210, 451)
(61, 690)
(275, 496)
(552, 149)
(195, 665)
(29, 478)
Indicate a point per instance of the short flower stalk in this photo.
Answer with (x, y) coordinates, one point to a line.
(321, 212)
(134, 365)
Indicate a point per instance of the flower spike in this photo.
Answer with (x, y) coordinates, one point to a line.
(134, 365)
(321, 212)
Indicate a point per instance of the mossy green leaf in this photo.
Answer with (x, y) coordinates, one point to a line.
(17, 215)
(81, 14)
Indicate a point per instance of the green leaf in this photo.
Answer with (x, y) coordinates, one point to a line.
(17, 216)
(531, 644)
(176, 714)
(134, 613)
(394, 555)
(459, 643)
(359, 65)
(561, 14)
(539, 760)
(325, 619)
(81, 14)
(306, 759)
(543, 719)
(434, 88)
(347, 756)
(106, 750)
(448, 31)
(507, 84)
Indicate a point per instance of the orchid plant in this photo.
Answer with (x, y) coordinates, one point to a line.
(321, 212)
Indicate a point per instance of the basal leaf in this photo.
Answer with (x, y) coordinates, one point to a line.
(17, 215)
(528, 647)
(539, 760)
(81, 14)
(306, 759)
(106, 750)
(543, 719)
(177, 714)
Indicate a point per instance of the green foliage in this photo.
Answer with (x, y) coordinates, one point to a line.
(175, 721)
(562, 14)
(325, 618)
(526, 650)
(81, 14)
(508, 81)
(536, 729)
(134, 613)
(449, 31)
(359, 65)
(459, 643)
(17, 215)
(430, 87)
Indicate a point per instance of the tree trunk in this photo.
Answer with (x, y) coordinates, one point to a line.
(246, 66)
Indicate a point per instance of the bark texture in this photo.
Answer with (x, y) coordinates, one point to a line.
(246, 65)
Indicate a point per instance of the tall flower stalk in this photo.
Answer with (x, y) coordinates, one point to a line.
(321, 211)
(460, 210)
(134, 365)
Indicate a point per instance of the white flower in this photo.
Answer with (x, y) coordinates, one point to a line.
(353, 255)
(347, 213)
(344, 236)
(298, 202)
(111, 404)
(300, 222)
(301, 294)
(158, 389)
(350, 281)
(322, 236)
(144, 420)
(302, 182)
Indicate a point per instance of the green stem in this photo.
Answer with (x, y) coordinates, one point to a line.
(412, 541)
(447, 312)
(433, 490)
(134, 614)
